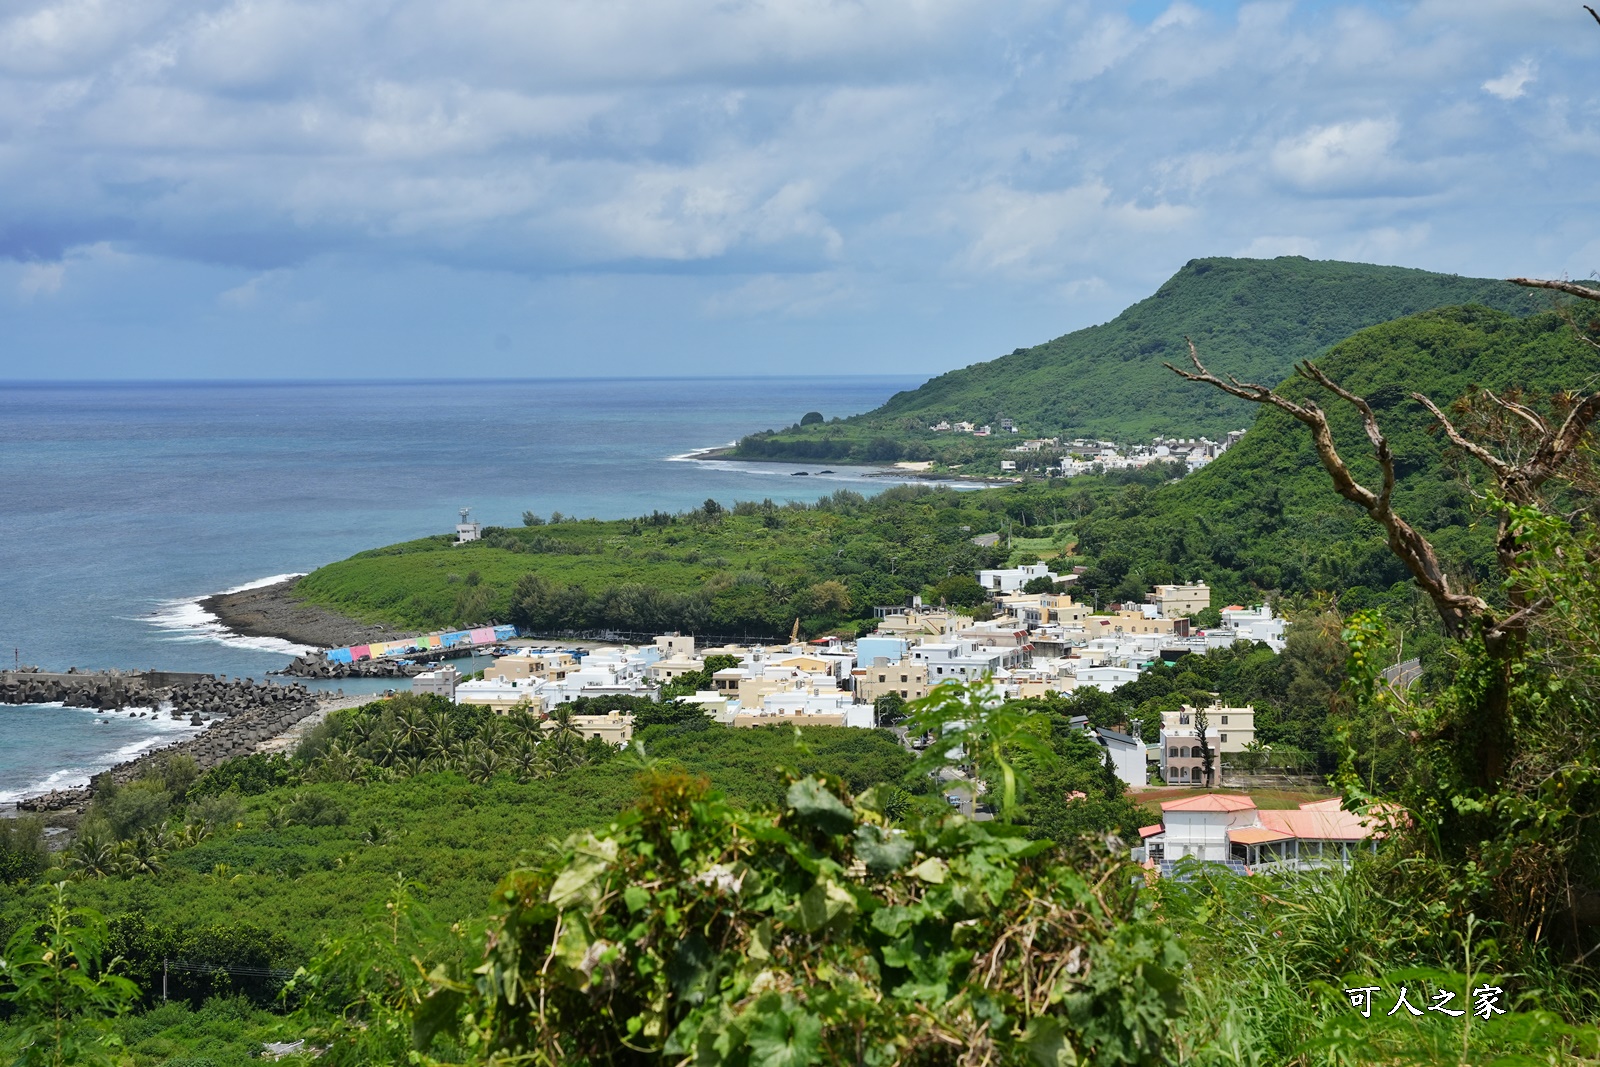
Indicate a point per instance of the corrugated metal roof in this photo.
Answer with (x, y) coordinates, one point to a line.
(1319, 825)
(1257, 835)
(1209, 802)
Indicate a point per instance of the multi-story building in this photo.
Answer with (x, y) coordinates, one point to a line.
(906, 678)
(1228, 731)
(1181, 601)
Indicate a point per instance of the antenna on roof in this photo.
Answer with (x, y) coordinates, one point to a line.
(464, 513)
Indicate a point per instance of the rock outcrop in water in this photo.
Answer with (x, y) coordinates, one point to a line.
(242, 714)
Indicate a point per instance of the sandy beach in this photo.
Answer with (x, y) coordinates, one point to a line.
(287, 741)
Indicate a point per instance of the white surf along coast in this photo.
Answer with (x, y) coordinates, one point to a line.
(68, 746)
(186, 620)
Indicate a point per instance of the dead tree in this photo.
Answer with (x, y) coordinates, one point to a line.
(1503, 631)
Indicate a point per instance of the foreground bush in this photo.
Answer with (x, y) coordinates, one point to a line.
(691, 930)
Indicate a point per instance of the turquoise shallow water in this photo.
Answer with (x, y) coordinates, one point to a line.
(123, 504)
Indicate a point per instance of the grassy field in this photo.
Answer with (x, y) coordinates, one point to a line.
(753, 569)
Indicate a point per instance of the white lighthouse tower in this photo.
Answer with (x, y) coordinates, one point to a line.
(467, 531)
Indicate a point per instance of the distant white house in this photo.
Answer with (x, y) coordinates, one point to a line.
(1221, 828)
(1012, 579)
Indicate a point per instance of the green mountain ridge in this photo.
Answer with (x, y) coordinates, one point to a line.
(1257, 317)
(1264, 515)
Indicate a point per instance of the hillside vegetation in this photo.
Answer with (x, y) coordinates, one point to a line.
(750, 571)
(1263, 517)
(1257, 317)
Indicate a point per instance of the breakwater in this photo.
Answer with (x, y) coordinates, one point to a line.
(317, 665)
(238, 715)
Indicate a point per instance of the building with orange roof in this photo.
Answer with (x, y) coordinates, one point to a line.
(1222, 828)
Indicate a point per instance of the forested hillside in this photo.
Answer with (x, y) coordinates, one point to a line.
(1263, 516)
(1258, 317)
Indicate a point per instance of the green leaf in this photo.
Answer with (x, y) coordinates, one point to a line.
(635, 897)
(1047, 1043)
(882, 850)
(932, 869)
(823, 903)
(783, 1035)
(817, 806)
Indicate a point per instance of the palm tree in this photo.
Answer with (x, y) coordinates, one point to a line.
(528, 763)
(439, 727)
(142, 855)
(91, 856)
(410, 766)
(481, 764)
(387, 748)
(524, 727)
(412, 726)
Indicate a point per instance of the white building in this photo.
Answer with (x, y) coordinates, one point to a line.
(1106, 678)
(1012, 579)
(1254, 624)
(1127, 755)
(1230, 829)
(467, 531)
(441, 682)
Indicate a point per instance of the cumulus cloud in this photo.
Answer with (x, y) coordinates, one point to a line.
(775, 146)
(41, 279)
(1513, 83)
(1340, 157)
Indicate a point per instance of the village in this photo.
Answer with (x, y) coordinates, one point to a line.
(1081, 455)
(1036, 643)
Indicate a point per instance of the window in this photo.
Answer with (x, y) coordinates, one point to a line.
(1172, 753)
(885, 678)
(1224, 738)
(1224, 720)
(1183, 720)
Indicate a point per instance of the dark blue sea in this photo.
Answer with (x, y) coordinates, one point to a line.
(122, 505)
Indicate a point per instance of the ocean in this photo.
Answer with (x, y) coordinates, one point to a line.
(125, 504)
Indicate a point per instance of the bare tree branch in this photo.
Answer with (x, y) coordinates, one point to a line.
(1592, 11)
(1500, 467)
(1522, 411)
(1570, 288)
(1553, 451)
(1414, 550)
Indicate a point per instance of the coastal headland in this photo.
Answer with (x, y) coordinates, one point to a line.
(241, 716)
(273, 611)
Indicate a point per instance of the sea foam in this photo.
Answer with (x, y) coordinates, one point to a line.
(187, 621)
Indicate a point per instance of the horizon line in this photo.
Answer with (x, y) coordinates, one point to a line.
(71, 382)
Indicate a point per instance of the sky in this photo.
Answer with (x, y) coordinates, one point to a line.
(269, 189)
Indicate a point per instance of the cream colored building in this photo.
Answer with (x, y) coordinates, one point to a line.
(502, 696)
(522, 667)
(673, 667)
(930, 623)
(1181, 601)
(614, 727)
(1134, 622)
(907, 679)
(1229, 731)
(1045, 609)
(670, 645)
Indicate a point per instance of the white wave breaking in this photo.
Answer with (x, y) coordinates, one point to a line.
(187, 621)
(163, 730)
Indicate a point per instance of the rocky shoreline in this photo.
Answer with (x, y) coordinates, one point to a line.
(273, 611)
(240, 716)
